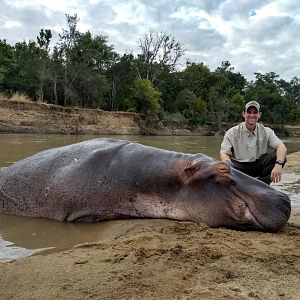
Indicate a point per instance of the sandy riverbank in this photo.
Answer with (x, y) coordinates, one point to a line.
(163, 259)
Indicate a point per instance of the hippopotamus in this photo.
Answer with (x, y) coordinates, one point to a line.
(106, 179)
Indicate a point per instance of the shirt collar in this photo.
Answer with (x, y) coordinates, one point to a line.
(247, 132)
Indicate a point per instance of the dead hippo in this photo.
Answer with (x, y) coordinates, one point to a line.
(105, 179)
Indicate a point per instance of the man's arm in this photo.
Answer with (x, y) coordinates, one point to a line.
(224, 156)
(281, 152)
(277, 170)
(226, 147)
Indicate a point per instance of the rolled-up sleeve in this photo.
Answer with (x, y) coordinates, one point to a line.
(274, 141)
(226, 145)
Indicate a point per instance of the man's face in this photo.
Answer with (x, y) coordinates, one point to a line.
(251, 115)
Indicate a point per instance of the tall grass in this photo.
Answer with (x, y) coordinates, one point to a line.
(15, 97)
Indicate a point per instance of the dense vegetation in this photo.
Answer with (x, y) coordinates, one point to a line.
(83, 70)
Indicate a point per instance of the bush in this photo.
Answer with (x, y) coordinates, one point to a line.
(144, 98)
(175, 119)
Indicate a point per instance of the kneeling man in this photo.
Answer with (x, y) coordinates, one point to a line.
(253, 148)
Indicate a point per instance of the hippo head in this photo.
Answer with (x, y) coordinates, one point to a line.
(219, 195)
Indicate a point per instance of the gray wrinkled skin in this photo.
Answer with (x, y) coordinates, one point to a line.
(105, 179)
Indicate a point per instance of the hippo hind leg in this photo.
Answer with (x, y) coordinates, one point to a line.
(93, 218)
(84, 215)
(88, 219)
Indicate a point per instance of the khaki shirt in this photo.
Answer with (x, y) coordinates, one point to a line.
(246, 146)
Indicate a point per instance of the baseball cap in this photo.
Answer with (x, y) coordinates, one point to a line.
(252, 103)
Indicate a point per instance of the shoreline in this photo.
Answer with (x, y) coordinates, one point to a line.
(34, 117)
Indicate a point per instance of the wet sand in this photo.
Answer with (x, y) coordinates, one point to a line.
(164, 259)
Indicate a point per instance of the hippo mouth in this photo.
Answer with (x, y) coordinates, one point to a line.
(251, 220)
(254, 215)
(244, 217)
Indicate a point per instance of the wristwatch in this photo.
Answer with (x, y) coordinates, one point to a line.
(280, 162)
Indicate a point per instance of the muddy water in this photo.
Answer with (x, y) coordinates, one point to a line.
(21, 236)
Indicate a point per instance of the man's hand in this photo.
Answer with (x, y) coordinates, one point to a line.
(276, 173)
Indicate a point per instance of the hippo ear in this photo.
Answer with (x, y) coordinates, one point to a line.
(188, 172)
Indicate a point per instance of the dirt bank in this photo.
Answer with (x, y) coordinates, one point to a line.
(163, 259)
(32, 117)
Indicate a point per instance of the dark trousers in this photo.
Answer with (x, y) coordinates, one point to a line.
(260, 169)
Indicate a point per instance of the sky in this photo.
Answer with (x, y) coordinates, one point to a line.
(253, 35)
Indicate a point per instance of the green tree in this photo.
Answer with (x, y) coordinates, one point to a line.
(86, 61)
(90, 60)
(192, 107)
(144, 98)
(291, 90)
(7, 62)
(43, 41)
(67, 41)
(234, 82)
(169, 83)
(159, 50)
(209, 87)
(55, 85)
(197, 78)
(23, 76)
(84, 70)
(267, 89)
(226, 95)
(121, 76)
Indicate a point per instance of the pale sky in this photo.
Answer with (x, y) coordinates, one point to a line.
(254, 35)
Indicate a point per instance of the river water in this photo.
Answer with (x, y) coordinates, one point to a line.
(21, 236)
